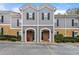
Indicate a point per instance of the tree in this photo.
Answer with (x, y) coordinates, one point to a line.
(73, 11)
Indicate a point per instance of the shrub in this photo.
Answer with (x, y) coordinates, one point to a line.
(13, 39)
(18, 38)
(69, 39)
(58, 38)
(3, 38)
(7, 37)
(78, 38)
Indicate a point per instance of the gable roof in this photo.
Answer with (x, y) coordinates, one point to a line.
(26, 6)
(48, 7)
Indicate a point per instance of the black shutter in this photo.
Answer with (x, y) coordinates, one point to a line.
(27, 16)
(17, 33)
(57, 32)
(17, 22)
(72, 34)
(72, 22)
(33, 16)
(57, 22)
(48, 16)
(42, 36)
(42, 16)
(2, 19)
(2, 31)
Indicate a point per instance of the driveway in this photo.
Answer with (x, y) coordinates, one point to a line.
(39, 49)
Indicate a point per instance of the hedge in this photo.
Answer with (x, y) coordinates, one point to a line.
(60, 38)
(10, 37)
(69, 39)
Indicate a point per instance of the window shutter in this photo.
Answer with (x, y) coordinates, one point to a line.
(33, 16)
(17, 33)
(42, 16)
(72, 34)
(72, 22)
(57, 22)
(57, 32)
(2, 19)
(2, 31)
(48, 16)
(17, 22)
(27, 16)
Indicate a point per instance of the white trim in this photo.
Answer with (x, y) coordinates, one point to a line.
(37, 25)
(50, 25)
(66, 28)
(49, 33)
(22, 37)
(53, 26)
(5, 24)
(38, 39)
(26, 34)
(15, 28)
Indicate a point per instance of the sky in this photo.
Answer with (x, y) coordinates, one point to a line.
(61, 7)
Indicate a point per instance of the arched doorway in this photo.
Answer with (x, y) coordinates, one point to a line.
(45, 35)
(30, 35)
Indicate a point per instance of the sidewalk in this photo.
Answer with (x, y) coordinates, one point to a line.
(47, 43)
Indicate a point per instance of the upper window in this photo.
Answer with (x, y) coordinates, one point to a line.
(46, 16)
(30, 16)
(76, 22)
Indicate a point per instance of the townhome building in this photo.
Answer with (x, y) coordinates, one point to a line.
(9, 23)
(68, 25)
(38, 24)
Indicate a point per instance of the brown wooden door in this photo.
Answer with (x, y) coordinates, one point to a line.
(45, 35)
(30, 35)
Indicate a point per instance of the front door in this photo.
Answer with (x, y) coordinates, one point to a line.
(45, 35)
(30, 35)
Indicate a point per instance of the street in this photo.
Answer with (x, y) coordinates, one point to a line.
(39, 49)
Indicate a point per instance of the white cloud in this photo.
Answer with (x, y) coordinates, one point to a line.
(2, 7)
(60, 11)
(16, 9)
